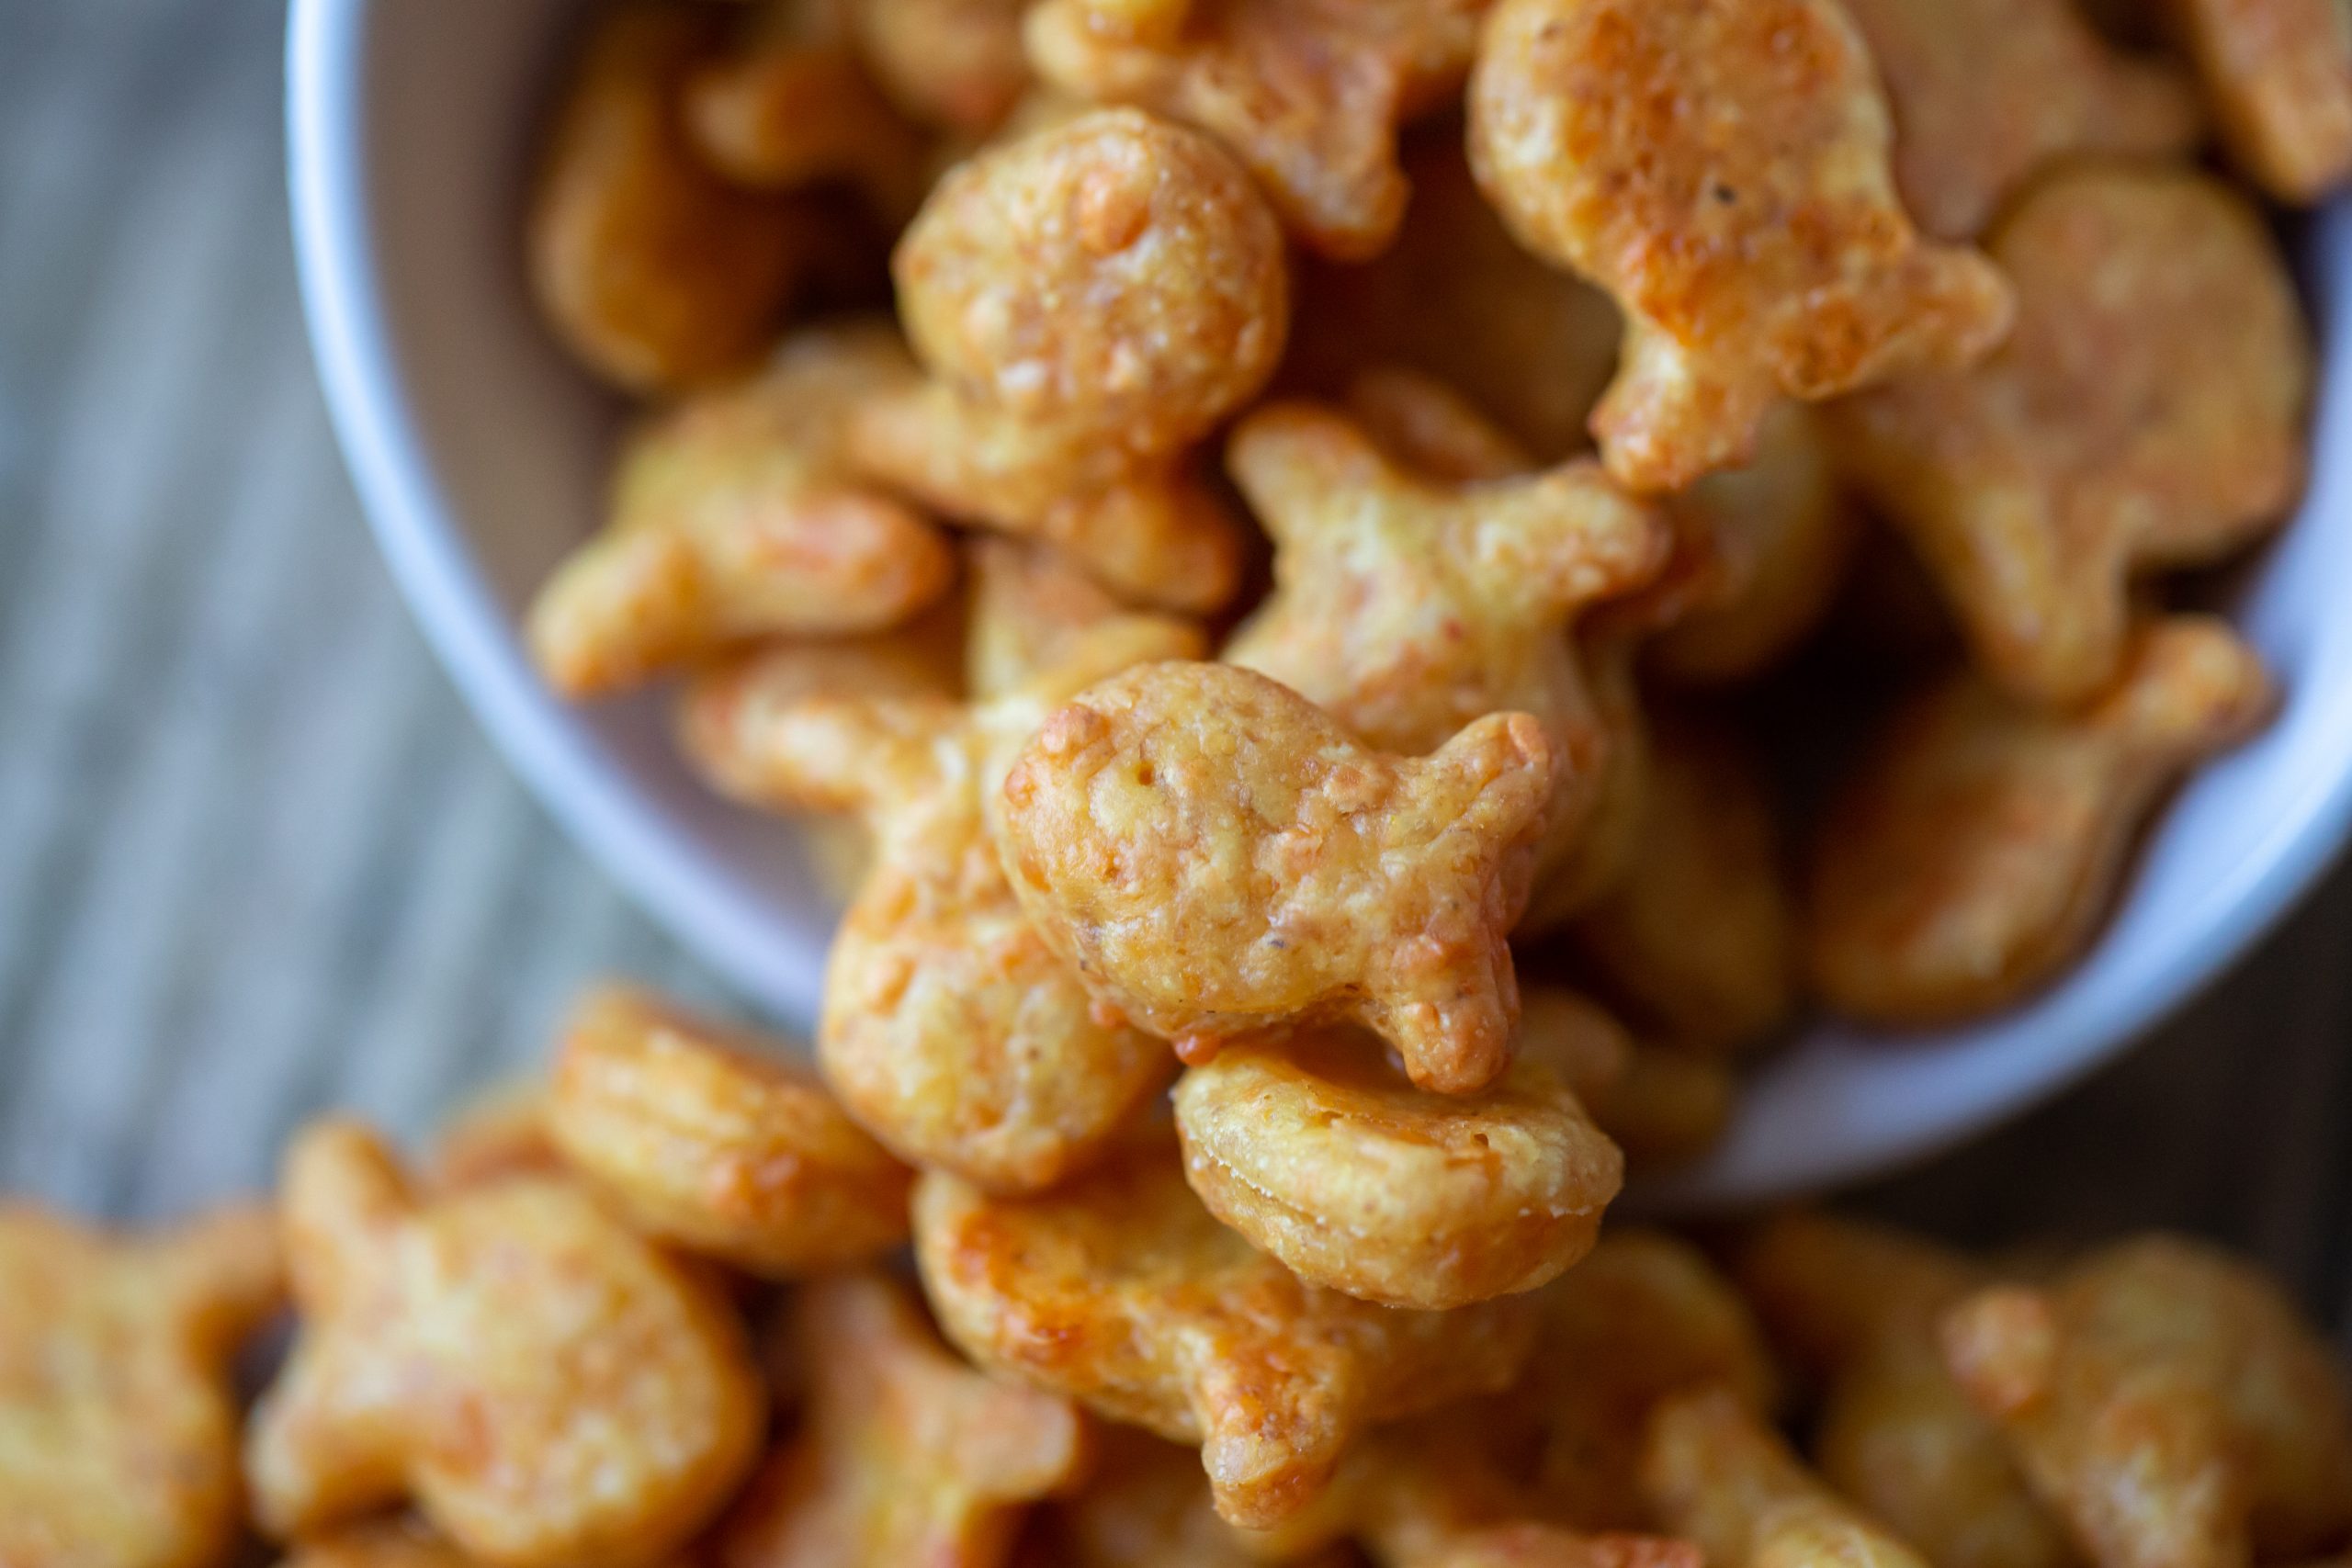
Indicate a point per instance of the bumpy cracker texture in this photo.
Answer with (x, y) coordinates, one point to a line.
(1092, 300)
(118, 1425)
(1644, 1318)
(1145, 1504)
(2147, 414)
(1408, 604)
(950, 1030)
(1441, 1491)
(1715, 1472)
(1120, 1289)
(904, 1455)
(1307, 93)
(955, 63)
(550, 1388)
(2278, 76)
(1974, 850)
(2166, 1400)
(704, 1137)
(1720, 168)
(1322, 1152)
(1778, 536)
(735, 516)
(1987, 92)
(1218, 857)
(1032, 608)
(1456, 297)
(653, 270)
(1699, 935)
(1857, 1305)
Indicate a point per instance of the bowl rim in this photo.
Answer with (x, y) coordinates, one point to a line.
(441, 579)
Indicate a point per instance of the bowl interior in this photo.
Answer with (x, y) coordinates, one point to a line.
(480, 453)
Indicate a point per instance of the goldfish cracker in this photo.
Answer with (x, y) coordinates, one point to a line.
(1322, 1153)
(1090, 299)
(1780, 536)
(956, 65)
(1032, 608)
(2278, 76)
(735, 518)
(655, 271)
(1986, 93)
(2148, 413)
(1645, 1317)
(498, 1133)
(1121, 1291)
(703, 1136)
(1975, 848)
(1719, 167)
(1712, 1469)
(791, 106)
(1145, 1504)
(950, 1030)
(117, 1422)
(1668, 1107)
(1408, 604)
(1437, 1492)
(1307, 93)
(460, 1351)
(1858, 1305)
(1217, 856)
(1457, 298)
(398, 1541)
(2167, 1402)
(904, 1454)
(1699, 934)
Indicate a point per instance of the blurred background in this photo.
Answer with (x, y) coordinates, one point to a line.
(256, 859)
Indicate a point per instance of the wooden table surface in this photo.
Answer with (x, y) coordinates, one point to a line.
(256, 859)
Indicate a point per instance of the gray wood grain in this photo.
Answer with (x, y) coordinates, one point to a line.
(254, 859)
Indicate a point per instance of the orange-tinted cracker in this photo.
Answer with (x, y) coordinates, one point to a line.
(1090, 299)
(706, 1137)
(400, 1542)
(1978, 844)
(1441, 1491)
(904, 1455)
(1857, 1305)
(1644, 1318)
(1120, 1289)
(655, 271)
(735, 517)
(1720, 168)
(2147, 414)
(1032, 608)
(1712, 1470)
(954, 63)
(1147, 1505)
(2278, 76)
(1660, 1105)
(1409, 603)
(1699, 935)
(2167, 1401)
(1456, 297)
(791, 106)
(498, 1134)
(1307, 93)
(950, 1030)
(117, 1425)
(1217, 856)
(1606, 651)
(1321, 1152)
(1986, 93)
(550, 1390)
(1777, 537)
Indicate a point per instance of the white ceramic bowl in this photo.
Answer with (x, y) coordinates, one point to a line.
(479, 453)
